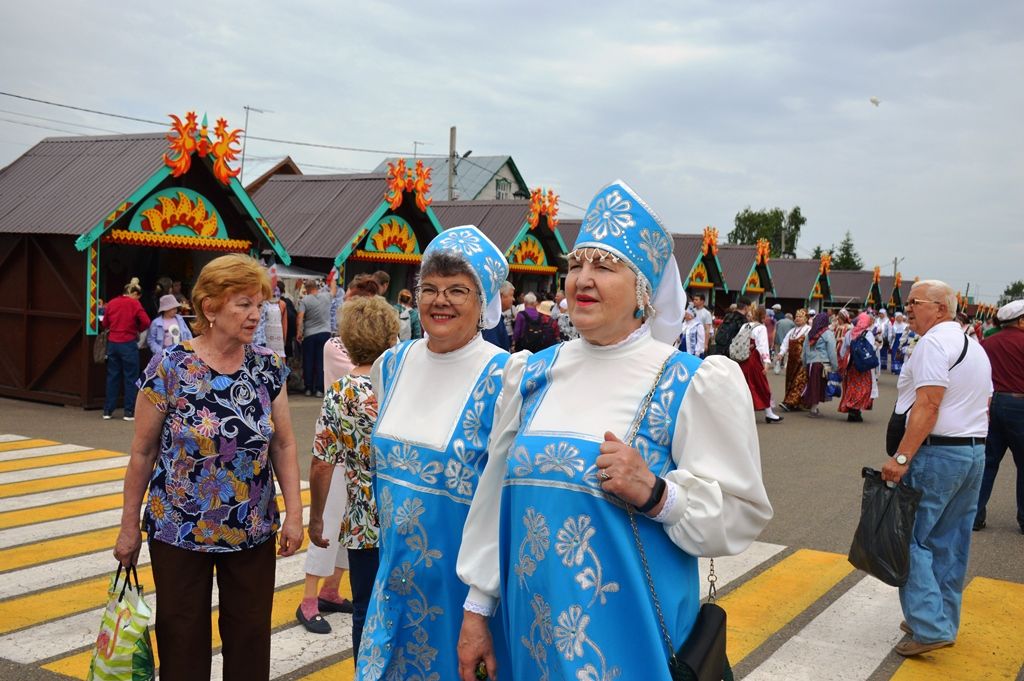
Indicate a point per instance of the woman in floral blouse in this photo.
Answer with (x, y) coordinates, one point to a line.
(368, 327)
(212, 432)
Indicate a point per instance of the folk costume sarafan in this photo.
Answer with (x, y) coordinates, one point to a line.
(430, 444)
(548, 543)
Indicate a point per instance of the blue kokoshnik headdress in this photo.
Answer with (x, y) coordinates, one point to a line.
(484, 258)
(622, 224)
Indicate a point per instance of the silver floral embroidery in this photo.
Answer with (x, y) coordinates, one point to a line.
(562, 457)
(462, 240)
(408, 525)
(571, 632)
(574, 547)
(656, 246)
(522, 457)
(460, 472)
(472, 424)
(610, 215)
(534, 545)
(490, 383)
(659, 418)
(542, 627)
(496, 270)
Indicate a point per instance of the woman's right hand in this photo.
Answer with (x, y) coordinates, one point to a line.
(476, 646)
(127, 546)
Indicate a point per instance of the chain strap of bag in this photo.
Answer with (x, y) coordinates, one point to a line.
(712, 578)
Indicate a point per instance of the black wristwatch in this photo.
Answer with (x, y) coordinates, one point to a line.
(656, 493)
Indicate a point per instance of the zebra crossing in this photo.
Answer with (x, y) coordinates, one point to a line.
(794, 613)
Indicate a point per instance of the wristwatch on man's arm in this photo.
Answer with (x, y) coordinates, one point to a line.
(902, 459)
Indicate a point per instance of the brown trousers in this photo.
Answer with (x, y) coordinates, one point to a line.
(184, 588)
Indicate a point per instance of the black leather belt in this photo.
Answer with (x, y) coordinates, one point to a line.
(945, 440)
(1018, 395)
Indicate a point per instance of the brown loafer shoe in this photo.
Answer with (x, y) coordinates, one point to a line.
(905, 628)
(911, 648)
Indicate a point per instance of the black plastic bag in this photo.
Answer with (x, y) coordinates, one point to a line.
(881, 545)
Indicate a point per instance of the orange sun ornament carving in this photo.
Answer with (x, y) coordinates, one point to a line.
(401, 179)
(187, 137)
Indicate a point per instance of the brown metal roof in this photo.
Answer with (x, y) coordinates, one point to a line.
(686, 248)
(795, 277)
(318, 215)
(851, 286)
(736, 261)
(499, 220)
(286, 166)
(569, 231)
(66, 185)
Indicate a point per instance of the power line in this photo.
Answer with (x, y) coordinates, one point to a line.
(62, 122)
(44, 127)
(162, 124)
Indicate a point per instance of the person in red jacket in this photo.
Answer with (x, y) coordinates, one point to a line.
(125, 319)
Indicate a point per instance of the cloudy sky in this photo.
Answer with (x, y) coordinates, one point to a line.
(704, 107)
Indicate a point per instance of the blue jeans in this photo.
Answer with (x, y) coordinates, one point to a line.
(949, 479)
(122, 367)
(1005, 429)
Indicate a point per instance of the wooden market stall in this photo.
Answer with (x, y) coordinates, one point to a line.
(746, 272)
(801, 283)
(354, 223)
(699, 267)
(81, 216)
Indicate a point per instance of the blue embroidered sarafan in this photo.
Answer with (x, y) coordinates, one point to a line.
(619, 222)
(570, 570)
(213, 485)
(423, 496)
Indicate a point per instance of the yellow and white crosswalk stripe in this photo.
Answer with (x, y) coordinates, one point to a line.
(59, 517)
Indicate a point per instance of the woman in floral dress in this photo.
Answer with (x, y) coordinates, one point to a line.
(212, 433)
(792, 348)
(548, 535)
(437, 400)
(343, 449)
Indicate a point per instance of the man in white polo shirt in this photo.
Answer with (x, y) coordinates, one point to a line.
(945, 386)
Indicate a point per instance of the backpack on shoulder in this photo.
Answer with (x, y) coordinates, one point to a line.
(537, 335)
(863, 354)
(739, 346)
(726, 332)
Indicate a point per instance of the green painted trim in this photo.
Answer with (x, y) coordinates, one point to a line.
(725, 285)
(519, 235)
(390, 219)
(561, 242)
(770, 278)
(363, 230)
(433, 220)
(747, 279)
(689, 275)
(83, 242)
(256, 216)
(91, 330)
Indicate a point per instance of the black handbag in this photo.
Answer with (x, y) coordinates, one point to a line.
(702, 656)
(897, 426)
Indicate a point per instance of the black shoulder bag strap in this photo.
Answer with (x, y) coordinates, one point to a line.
(897, 426)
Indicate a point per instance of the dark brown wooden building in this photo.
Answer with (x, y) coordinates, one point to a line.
(81, 216)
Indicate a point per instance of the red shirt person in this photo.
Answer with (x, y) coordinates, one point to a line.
(1005, 352)
(125, 319)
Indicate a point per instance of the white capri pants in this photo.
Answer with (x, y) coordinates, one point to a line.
(321, 562)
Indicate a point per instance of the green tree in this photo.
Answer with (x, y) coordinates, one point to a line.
(846, 258)
(771, 224)
(1014, 291)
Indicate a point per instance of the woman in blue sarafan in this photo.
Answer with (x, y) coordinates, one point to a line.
(548, 535)
(437, 401)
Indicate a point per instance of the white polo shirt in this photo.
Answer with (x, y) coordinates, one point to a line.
(964, 408)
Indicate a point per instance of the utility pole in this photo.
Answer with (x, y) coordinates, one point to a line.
(896, 263)
(451, 163)
(245, 136)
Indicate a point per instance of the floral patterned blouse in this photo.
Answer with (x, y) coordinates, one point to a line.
(344, 437)
(213, 485)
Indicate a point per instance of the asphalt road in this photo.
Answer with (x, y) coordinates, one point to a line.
(811, 469)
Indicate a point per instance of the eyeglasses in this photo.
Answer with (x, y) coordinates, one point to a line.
(921, 301)
(456, 295)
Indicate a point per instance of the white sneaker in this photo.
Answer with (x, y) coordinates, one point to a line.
(107, 417)
(129, 418)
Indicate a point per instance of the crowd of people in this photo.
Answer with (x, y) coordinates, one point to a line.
(488, 511)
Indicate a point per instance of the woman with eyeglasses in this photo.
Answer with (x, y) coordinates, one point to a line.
(437, 400)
